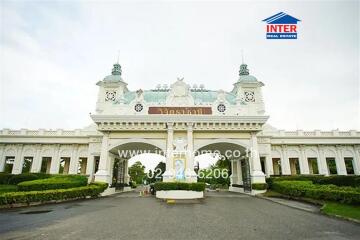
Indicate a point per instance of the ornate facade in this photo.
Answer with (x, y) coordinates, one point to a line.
(180, 117)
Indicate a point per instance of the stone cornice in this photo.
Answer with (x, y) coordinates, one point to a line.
(160, 122)
(180, 118)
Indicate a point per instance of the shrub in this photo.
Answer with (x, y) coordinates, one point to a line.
(322, 192)
(92, 190)
(352, 181)
(166, 186)
(4, 178)
(18, 178)
(8, 178)
(7, 188)
(55, 182)
(259, 186)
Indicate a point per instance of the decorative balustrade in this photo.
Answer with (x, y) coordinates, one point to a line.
(316, 133)
(42, 132)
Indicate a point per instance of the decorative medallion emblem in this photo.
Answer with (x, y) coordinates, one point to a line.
(138, 107)
(110, 96)
(221, 108)
(249, 97)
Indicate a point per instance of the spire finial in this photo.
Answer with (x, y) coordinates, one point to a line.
(243, 70)
(118, 55)
(116, 69)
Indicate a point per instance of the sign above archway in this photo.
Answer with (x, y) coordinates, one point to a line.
(181, 110)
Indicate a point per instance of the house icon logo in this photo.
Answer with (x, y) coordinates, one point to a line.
(281, 26)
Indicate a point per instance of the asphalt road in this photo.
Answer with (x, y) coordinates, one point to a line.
(128, 216)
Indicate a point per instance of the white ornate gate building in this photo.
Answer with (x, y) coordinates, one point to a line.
(180, 117)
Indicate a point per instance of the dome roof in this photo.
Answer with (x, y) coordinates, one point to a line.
(247, 78)
(113, 78)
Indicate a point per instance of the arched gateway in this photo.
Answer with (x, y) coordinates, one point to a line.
(181, 119)
(180, 122)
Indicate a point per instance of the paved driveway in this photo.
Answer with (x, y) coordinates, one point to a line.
(128, 216)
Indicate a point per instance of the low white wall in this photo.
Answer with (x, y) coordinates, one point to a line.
(241, 190)
(127, 189)
(236, 189)
(108, 191)
(179, 194)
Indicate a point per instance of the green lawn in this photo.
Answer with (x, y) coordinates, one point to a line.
(342, 210)
(7, 188)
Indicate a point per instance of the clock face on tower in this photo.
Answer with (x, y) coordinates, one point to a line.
(110, 96)
(249, 97)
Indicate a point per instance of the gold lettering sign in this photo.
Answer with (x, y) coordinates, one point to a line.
(181, 110)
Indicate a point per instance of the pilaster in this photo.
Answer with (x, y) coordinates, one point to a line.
(17, 168)
(285, 163)
(303, 161)
(340, 162)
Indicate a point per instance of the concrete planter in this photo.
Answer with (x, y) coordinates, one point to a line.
(236, 189)
(127, 189)
(256, 192)
(179, 194)
(108, 191)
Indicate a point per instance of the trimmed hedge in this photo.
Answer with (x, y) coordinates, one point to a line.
(351, 181)
(166, 186)
(54, 182)
(322, 192)
(92, 190)
(259, 186)
(13, 179)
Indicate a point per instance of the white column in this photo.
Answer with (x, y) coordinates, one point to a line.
(356, 160)
(340, 162)
(74, 160)
(169, 172)
(103, 173)
(322, 165)
(285, 163)
(190, 173)
(55, 160)
(36, 164)
(126, 172)
(2, 158)
(303, 161)
(269, 165)
(239, 172)
(18, 162)
(257, 176)
(233, 176)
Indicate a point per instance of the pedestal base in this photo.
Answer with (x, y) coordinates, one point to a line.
(102, 176)
(257, 177)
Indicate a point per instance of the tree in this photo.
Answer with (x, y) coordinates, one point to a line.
(137, 172)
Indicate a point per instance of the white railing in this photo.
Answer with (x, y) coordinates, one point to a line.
(316, 133)
(42, 132)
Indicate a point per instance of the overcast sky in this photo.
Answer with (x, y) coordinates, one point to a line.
(52, 54)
